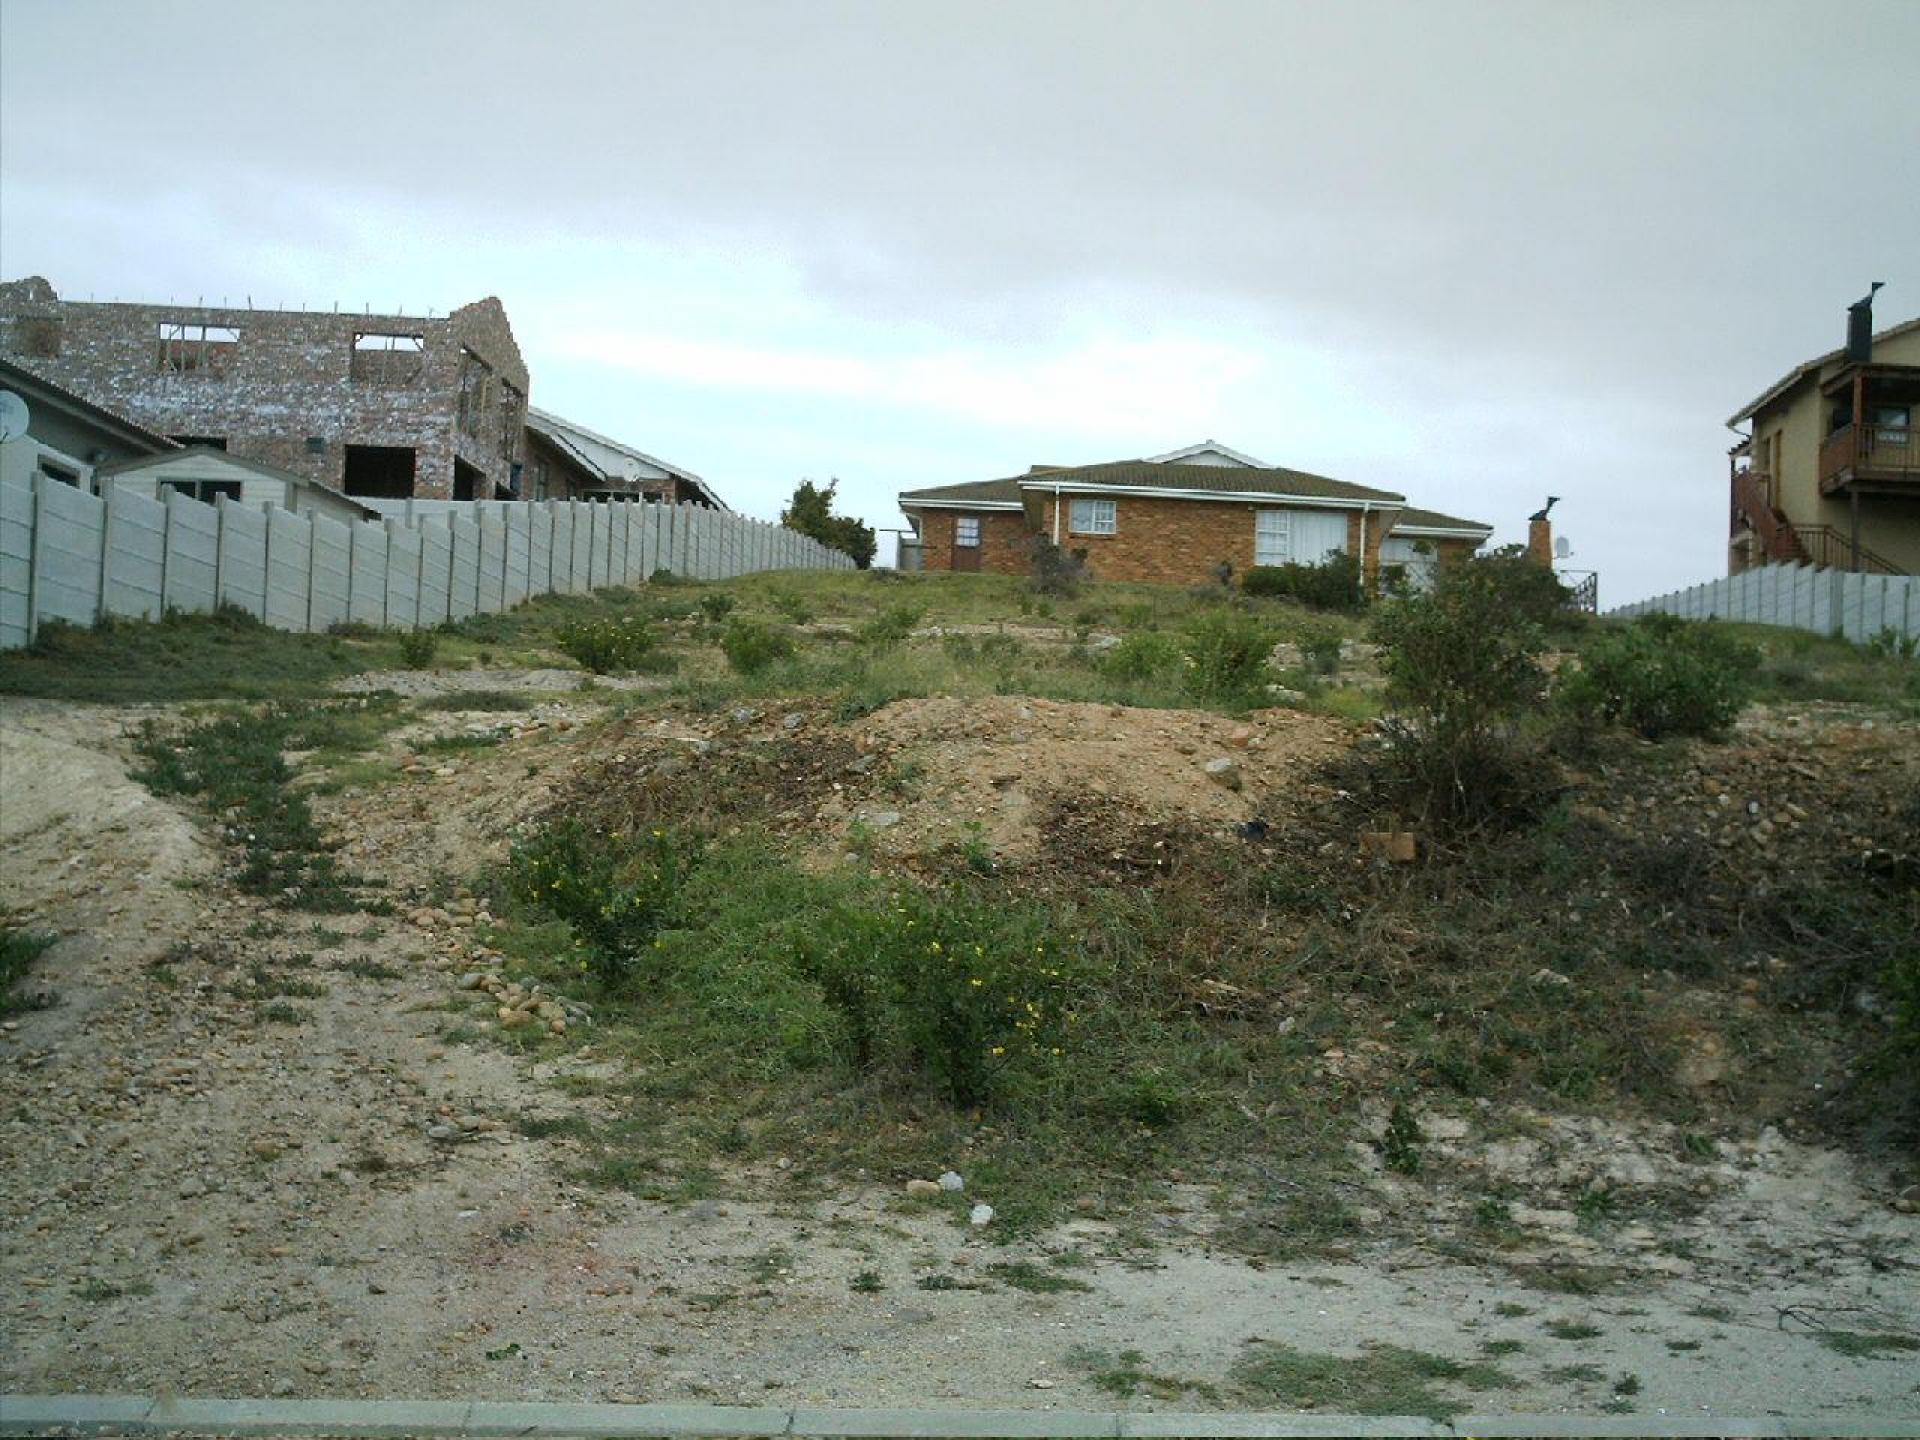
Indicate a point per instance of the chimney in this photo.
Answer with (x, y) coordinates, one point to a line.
(1540, 534)
(1860, 327)
(1540, 540)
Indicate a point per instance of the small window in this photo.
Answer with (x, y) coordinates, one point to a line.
(190, 348)
(60, 473)
(966, 531)
(204, 490)
(1093, 517)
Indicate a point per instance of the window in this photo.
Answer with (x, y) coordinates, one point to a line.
(1272, 537)
(966, 531)
(59, 472)
(1300, 537)
(204, 490)
(386, 357)
(190, 348)
(1093, 517)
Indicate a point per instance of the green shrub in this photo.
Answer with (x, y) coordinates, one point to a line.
(1463, 675)
(417, 649)
(792, 606)
(891, 625)
(1661, 676)
(617, 891)
(1140, 656)
(751, 647)
(716, 605)
(610, 646)
(1226, 657)
(1329, 584)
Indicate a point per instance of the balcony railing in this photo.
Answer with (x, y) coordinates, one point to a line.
(1869, 452)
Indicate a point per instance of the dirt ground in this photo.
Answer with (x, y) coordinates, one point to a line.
(205, 1201)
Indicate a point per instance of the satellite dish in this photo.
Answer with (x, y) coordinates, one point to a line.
(13, 416)
(1562, 548)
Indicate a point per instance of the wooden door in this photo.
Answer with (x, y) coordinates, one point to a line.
(966, 542)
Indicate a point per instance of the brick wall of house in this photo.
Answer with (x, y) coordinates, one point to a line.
(1182, 542)
(291, 377)
(1005, 542)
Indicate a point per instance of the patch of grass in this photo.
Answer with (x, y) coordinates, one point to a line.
(1568, 1374)
(18, 950)
(363, 969)
(99, 1292)
(1572, 1330)
(478, 700)
(1025, 1275)
(1502, 1347)
(1124, 1374)
(235, 763)
(226, 656)
(770, 1264)
(1381, 1380)
(867, 1282)
(457, 744)
(281, 1014)
(1866, 1345)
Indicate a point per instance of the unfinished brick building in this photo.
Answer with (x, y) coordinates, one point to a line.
(374, 405)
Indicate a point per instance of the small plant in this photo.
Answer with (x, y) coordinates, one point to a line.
(716, 605)
(610, 646)
(890, 626)
(750, 646)
(1141, 655)
(1400, 1145)
(616, 891)
(1320, 648)
(417, 648)
(867, 1282)
(1226, 657)
(18, 950)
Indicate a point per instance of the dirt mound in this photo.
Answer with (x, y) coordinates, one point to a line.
(946, 766)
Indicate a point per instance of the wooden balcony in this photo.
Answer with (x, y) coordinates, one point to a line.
(1873, 456)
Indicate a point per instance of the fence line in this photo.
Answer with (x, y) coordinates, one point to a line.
(1802, 597)
(70, 556)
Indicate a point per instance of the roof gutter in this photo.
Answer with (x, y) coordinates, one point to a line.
(1384, 500)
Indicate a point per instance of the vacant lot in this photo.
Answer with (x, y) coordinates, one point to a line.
(493, 1028)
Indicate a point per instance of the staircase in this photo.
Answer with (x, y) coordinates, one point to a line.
(1753, 506)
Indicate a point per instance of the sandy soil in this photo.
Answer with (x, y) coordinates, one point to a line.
(199, 1200)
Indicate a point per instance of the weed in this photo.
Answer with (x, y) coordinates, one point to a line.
(890, 626)
(1400, 1145)
(1330, 584)
(612, 645)
(1124, 1374)
(18, 950)
(1568, 1374)
(1661, 676)
(867, 1282)
(716, 605)
(1226, 657)
(280, 1014)
(1502, 1347)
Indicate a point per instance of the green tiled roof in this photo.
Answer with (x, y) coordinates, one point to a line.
(1150, 475)
(1434, 520)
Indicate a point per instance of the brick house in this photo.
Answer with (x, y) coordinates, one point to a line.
(1828, 470)
(1175, 519)
(566, 461)
(384, 406)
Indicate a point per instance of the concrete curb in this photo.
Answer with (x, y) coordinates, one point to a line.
(67, 1415)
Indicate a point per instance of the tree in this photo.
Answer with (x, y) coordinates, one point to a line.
(811, 513)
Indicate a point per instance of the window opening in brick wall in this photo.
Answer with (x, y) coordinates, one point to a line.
(382, 472)
(469, 482)
(204, 490)
(188, 347)
(1093, 517)
(388, 357)
(966, 530)
(1272, 537)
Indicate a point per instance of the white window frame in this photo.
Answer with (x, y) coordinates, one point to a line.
(966, 532)
(1087, 515)
(1272, 537)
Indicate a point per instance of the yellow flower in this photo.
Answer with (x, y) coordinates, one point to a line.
(999, 1049)
(976, 983)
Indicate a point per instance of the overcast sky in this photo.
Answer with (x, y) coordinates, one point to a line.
(1474, 253)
